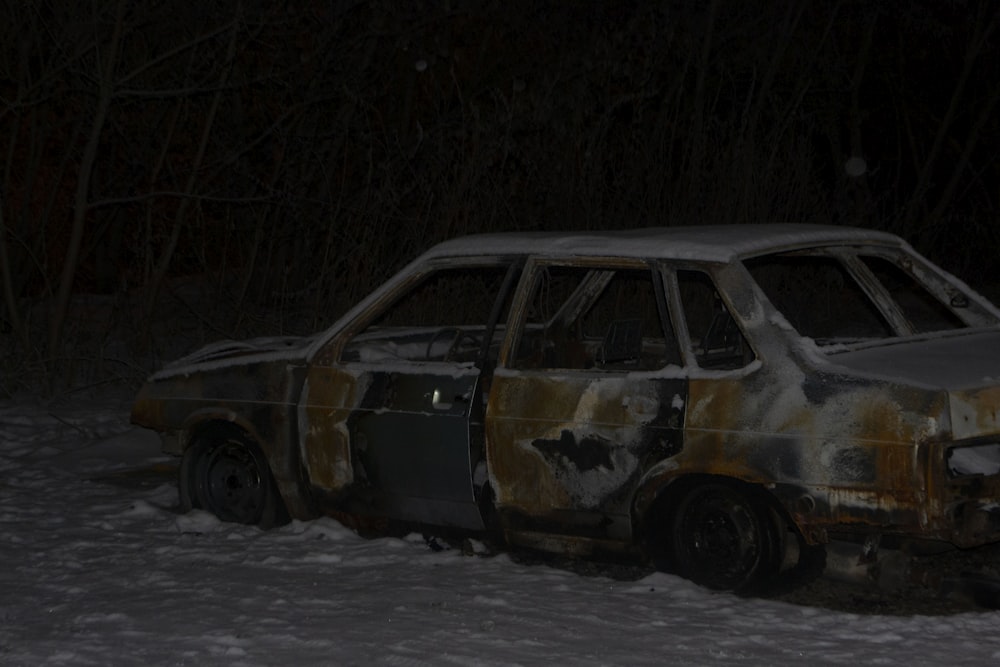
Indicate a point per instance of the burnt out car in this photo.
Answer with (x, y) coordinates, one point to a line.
(715, 399)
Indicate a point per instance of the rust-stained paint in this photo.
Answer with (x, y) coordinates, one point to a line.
(847, 451)
(865, 455)
(584, 453)
(329, 397)
(975, 412)
(566, 453)
(577, 460)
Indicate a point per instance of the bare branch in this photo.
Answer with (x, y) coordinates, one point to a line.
(167, 55)
(83, 184)
(175, 194)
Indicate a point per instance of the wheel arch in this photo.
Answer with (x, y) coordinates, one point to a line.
(202, 423)
(671, 500)
(287, 478)
(657, 498)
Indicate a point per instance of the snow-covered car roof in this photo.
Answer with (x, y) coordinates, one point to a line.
(715, 243)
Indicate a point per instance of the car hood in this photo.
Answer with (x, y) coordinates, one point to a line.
(231, 352)
(961, 361)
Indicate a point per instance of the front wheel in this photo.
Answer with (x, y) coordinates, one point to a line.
(229, 477)
(724, 538)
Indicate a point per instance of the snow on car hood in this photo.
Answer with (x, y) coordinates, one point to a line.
(231, 352)
(964, 360)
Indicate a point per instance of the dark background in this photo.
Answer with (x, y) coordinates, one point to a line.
(175, 172)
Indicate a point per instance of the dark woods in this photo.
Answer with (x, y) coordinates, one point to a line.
(190, 171)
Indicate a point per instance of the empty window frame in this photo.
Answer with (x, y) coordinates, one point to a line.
(445, 315)
(596, 317)
(718, 342)
(819, 297)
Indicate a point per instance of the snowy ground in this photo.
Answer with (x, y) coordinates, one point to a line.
(97, 568)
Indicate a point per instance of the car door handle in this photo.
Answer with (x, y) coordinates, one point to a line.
(441, 403)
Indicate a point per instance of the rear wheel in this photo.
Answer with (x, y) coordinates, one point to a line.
(725, 538)
(228, 476)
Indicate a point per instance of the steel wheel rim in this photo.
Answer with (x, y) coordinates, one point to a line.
(720, 539)
(234, 484)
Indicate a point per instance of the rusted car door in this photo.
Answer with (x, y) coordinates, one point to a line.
(591, 393)
(391, 409)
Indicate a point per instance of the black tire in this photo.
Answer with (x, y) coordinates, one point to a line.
(228, 476)
(725, 538)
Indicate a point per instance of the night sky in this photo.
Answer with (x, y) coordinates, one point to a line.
(300, 152)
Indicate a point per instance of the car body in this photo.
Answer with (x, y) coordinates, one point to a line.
(702, 396)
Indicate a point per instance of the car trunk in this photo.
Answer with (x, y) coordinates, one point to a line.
(965, 364)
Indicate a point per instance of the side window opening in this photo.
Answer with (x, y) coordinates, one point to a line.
(819, 298)
(596, 318)
(717, 341)
(444, 317)
(922, 310)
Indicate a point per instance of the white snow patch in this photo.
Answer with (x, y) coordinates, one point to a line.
(103, 573)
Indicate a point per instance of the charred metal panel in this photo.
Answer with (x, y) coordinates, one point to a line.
(975, 412)
(852, 447)
(257, 398)
(567, 450)
(328, 398)
(253, 396)
(588, 453)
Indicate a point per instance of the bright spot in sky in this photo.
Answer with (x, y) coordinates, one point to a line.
(856, 166)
